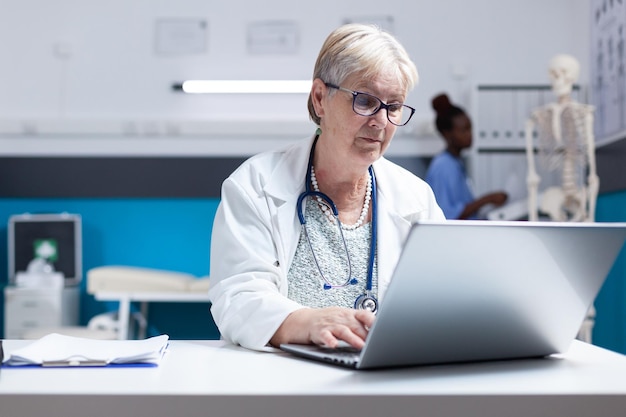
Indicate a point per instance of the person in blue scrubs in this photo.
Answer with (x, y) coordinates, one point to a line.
(446, 173)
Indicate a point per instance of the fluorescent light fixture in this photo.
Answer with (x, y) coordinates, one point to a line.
(245, 86)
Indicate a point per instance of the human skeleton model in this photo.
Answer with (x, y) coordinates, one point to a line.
(565, 142)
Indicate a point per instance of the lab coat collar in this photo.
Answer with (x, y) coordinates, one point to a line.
(287, 180)
(391, 189)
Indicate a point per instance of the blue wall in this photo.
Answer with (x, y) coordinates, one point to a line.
(610, 328)
(175, 234)
(171, 234)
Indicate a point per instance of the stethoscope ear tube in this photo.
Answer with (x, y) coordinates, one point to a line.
(323, 196)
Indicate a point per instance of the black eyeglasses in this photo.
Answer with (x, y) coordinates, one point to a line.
(365, 104)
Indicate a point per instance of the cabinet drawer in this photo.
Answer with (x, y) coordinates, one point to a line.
(34, 305)
(25, 323)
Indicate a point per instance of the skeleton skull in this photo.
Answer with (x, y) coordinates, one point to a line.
(563, 70)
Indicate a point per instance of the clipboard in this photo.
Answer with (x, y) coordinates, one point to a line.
(55, 351)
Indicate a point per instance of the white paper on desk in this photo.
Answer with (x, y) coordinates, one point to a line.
(55, 347)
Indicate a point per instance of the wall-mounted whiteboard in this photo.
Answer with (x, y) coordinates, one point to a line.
(608, 69)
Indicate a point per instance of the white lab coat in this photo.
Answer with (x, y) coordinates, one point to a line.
(256, 232)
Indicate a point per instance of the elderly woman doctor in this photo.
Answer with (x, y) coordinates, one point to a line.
(306, 238)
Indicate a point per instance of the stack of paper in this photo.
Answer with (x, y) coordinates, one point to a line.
(59, 350)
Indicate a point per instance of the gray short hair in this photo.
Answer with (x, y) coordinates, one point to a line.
(361, 49)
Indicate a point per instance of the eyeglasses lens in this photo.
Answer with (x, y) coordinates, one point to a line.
(366, 105)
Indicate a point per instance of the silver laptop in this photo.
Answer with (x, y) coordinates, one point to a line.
(466, 291)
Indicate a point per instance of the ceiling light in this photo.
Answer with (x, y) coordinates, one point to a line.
(244, 86)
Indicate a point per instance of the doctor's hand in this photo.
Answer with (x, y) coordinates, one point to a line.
(325, 327)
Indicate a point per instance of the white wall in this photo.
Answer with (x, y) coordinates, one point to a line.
(75, 69)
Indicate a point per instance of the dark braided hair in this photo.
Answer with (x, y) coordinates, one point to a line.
(446, 112)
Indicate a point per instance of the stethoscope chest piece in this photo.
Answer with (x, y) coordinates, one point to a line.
(366, 302)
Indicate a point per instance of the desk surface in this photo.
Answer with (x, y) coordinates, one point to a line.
(213, 378)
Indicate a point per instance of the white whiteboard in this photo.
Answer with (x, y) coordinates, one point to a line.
(608, 69)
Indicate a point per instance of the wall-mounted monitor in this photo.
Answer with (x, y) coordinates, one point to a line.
(57, 238)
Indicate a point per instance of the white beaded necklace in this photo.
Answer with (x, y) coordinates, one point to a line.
(328, 212)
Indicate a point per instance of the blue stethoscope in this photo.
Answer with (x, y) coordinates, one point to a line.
(367, 300)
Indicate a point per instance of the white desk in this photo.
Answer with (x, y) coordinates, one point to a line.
(145, 297)
(208, 378)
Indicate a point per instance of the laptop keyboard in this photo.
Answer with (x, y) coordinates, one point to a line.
(342, 354)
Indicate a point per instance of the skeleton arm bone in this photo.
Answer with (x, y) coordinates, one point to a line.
(593, 182)
(532, 178)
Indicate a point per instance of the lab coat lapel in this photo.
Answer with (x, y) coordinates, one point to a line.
(283, 190)
(393, 228)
